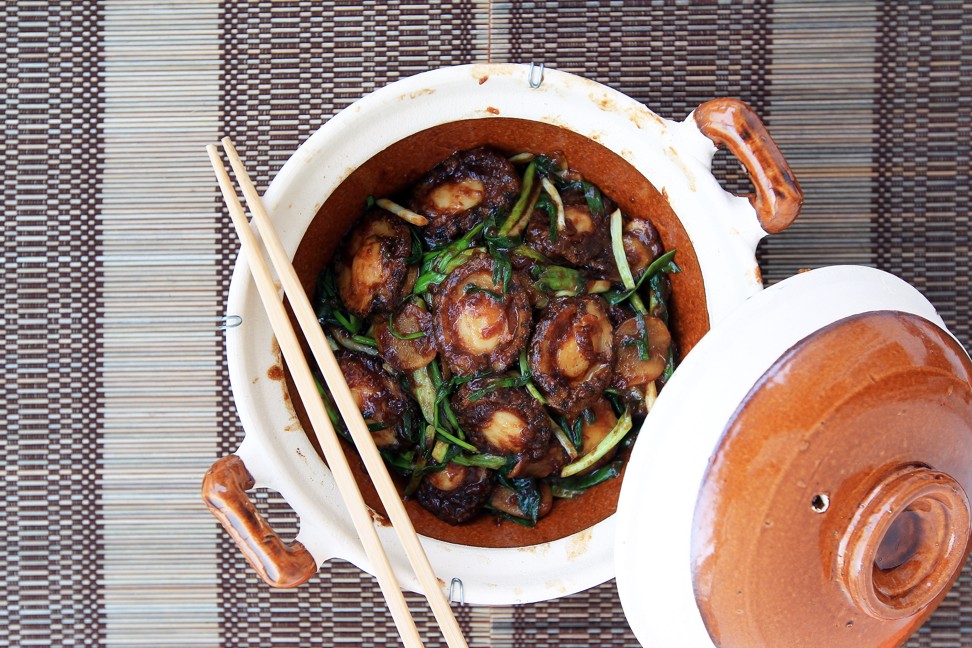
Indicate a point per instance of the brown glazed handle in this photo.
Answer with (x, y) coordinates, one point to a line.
(224, 491)
(733, 124)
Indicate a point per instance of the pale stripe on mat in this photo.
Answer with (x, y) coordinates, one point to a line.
(161, 74)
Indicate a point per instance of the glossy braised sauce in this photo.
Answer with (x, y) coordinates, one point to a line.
(566, 516)
(506, 402)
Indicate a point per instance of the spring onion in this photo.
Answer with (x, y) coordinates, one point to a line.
(527, 495)
(594, 199)
(520, 207)
(663, 264)
(499, 383)
(525, 372)
(561, 437)
(493, 462)
(669, 365)
(418, 471)
(359, 343)
(444, 434)
(365, 340)
(617, 246)
(405, 214)
(558, 203)
(651, 393)
(424, 391)
(405, 336)
(597, 286)
(529, 253)
(511, 518)
(329, 406)
(618, 432)
(440, 450)
(473, 288)
(574, 486)
(558, 279)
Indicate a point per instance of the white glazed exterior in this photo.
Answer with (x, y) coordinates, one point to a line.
(674, 156)
(665, 471)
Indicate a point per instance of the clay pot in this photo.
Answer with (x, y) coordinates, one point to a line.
(651, 166)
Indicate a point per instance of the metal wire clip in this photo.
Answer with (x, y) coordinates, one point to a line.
(452, 591)
(229, 321)
(536, 75)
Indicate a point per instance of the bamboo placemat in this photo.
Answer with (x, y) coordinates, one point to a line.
(117, 259)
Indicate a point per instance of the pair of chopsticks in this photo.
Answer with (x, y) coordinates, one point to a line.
(307, 388)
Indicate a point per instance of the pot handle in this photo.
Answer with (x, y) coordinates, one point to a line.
(224, 492)
(732, 123)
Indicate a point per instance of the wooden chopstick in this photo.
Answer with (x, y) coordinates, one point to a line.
(349, 410)
(346, 404)
(307, 388)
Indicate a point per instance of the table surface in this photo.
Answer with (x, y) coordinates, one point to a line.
(117, 258)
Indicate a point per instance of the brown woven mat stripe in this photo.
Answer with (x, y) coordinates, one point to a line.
(923, 165)
(52, 279)
(318, 57)
(924, 156)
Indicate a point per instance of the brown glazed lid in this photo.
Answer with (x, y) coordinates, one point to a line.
(802, 480)
(835, 513)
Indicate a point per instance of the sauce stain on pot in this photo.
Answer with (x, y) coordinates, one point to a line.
(640, 117)
(276, 370)
(415, 94)
(579, 544)
(605, 103)
(378, 518)
(542, 549)
(597, 135)
(277, 373)
(556, 586)
(672, 155)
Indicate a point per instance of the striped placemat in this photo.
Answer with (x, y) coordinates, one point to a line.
(117, 258)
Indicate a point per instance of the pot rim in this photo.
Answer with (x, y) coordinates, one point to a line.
(674, 156)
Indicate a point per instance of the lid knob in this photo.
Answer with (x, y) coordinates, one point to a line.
(905, 543)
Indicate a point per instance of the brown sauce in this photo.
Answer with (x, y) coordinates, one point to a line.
(401, 165)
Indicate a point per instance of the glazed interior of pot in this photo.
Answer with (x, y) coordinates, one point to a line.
(399, 166)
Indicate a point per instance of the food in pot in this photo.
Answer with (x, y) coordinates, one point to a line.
(371, 267)
(481, 325)
(504, 420)
(461, 191)
(456, 493)
(572, 353)
(583, 236)
(404, 338)
(502, 325)
(379, 396)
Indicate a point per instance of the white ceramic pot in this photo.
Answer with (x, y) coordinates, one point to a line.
(674, 156)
